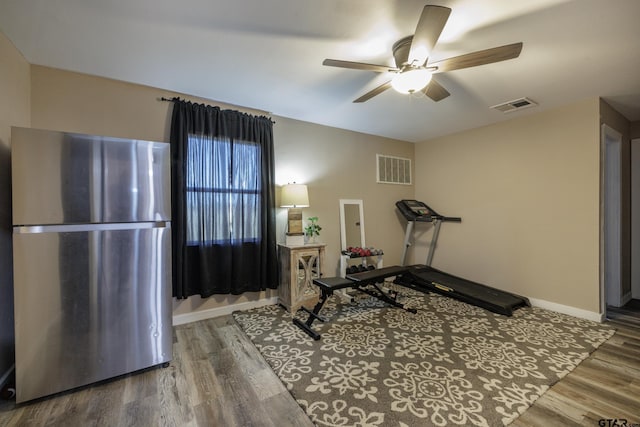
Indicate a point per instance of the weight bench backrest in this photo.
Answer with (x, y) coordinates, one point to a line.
(376, 276)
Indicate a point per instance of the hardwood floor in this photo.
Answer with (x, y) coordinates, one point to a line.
(629, 313)
(218, 378)
(605, 386)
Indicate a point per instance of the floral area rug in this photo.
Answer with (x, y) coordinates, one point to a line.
(449, 364)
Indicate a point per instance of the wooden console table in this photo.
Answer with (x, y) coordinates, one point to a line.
(299, 265)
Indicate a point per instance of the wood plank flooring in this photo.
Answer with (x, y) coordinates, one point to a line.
(629, 313)
(605, 386)
(218, 378)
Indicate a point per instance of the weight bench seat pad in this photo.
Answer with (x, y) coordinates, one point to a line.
(352, 280)
(333, 283)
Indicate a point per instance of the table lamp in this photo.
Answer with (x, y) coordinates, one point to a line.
(294, 196)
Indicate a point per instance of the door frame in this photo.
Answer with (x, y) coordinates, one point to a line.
(635, 218)
(611, 214)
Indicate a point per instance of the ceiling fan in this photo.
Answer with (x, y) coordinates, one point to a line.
(413, 72)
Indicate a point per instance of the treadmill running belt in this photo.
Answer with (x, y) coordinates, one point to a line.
(429, 279)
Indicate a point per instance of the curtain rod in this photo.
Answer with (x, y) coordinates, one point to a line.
(264, 113)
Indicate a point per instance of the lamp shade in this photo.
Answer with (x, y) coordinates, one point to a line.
(294, 196)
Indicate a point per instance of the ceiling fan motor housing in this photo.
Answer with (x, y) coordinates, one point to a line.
(401, 51)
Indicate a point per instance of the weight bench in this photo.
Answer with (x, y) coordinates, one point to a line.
(366, 282)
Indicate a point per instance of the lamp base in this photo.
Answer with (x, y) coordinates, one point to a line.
(294, 221)
(294, 239)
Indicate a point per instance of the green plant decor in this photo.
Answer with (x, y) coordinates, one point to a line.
(312, 229)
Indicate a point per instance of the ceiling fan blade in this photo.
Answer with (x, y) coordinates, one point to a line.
(480, 57)
(374, 92)
(358, 66)
(435, 91)
(430, 25)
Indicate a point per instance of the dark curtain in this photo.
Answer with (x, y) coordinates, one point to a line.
(215, 246)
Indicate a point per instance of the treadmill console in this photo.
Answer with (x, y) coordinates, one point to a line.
(414, 210)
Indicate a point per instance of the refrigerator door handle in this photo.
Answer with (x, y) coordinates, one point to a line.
(68, 228)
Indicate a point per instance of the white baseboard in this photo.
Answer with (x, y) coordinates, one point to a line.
(5, 376)
(181, 319)
(566, 309)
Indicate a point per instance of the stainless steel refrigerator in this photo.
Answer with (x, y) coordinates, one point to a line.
(92, 258)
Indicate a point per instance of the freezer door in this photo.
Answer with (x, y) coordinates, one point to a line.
(68, 178)
(89, 304)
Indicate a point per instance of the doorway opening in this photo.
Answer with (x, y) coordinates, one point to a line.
(615, 302)
(630, 310)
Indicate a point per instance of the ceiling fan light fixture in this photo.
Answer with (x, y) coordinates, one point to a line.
(411, 81)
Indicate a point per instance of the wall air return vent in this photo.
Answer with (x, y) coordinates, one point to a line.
(393, 170)
(515, 105)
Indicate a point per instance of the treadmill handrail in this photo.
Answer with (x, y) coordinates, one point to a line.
(431, 218)
(451, 219)
(412, 210)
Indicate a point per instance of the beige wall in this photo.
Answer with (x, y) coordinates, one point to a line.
(528, 194)
(74, 102)
(338, 164)
(334, 163)
(14, 111)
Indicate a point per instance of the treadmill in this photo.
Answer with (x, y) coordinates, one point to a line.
(428, 279)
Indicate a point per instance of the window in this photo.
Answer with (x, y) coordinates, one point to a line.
(223, 190)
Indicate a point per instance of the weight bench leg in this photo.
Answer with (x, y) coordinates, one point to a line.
(381, 295)
(313, 315)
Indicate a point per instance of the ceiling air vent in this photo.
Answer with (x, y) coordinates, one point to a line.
(516, 104)
(393, 170)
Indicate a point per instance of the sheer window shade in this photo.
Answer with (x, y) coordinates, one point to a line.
(223, 190)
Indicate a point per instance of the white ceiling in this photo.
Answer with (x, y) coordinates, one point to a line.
(267, 54)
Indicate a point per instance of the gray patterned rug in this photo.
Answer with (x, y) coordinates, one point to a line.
(449, 364)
